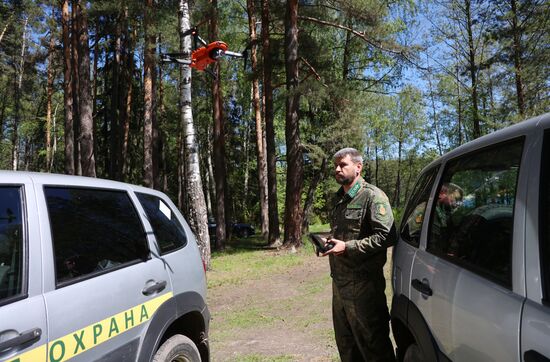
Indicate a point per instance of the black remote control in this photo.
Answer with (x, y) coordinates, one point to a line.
(320, 246)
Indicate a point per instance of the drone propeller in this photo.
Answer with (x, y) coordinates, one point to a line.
(234, 54)
(174, 58)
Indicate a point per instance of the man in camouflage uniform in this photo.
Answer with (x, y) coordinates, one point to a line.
(362, 228)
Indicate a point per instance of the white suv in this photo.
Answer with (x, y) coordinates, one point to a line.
(471, 269)
(97, 270)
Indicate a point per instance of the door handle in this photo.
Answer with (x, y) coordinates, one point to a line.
(22, 338)
(422, 287)
(534, 356)
(154, 288)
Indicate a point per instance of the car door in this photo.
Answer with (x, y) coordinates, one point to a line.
(462, 280)
(172, 234)
(410, 231)
(535, 324)
(23, 328)
(104, 283)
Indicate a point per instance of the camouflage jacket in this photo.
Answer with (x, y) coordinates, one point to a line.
(362, 218)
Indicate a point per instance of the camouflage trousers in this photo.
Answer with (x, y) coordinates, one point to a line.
(361, 319)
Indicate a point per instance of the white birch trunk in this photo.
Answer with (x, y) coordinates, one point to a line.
(197, 205)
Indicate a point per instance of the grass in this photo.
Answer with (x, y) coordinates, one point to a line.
(260, 358)
(235, 268)
(249, 259)
(248, 318)
(319, 228)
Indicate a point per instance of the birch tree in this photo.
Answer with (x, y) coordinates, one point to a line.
(193, 184)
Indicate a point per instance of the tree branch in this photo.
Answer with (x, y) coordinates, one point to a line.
(361, 35)
(354, 32)
(313, 71)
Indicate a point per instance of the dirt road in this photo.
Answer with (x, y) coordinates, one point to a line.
(282, 317)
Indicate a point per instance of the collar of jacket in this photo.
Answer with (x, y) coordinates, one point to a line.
(354, 189)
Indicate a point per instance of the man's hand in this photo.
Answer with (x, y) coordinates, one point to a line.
(338, 249)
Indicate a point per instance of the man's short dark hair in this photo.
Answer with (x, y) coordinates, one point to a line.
(355, 155)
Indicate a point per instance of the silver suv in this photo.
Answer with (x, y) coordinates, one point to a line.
(471, 270)
(97, 270)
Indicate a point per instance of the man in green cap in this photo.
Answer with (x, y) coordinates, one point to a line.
(362, 228)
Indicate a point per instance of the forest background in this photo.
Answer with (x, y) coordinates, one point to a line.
(83, 91)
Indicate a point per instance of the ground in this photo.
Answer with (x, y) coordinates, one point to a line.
(282, 316)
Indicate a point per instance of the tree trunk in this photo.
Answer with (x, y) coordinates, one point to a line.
(4, 98)
(434, 114)
(295, 168)
(182, 195)
(87, 159)
(459, 108)
(115, 111)
(209, 175)
(17, 100)
(68, 89)
(161, 180)
(128, 103)
(49, 94)
(491, 91)
(473, 69)
(274, 234)
(318, 175)
(517, 50)
(376, 159)
(54, 132)
(219, 140)
(75, 38)
(262, 166)
(246, 171)
(149, 96)
(197, 207)
(95, 82)
(8, 23)
(408, 184)
(397, 195)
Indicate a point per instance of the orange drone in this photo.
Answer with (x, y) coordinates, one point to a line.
(203, 56)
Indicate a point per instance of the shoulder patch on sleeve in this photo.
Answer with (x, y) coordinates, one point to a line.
(381, 209)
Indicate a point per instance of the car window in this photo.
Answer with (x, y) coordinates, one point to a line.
(411, 223)
(166, 227)
(544, 220)
(472, 215)
(93, 231)
(11, 243)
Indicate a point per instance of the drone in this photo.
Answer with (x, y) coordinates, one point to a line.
(202, 56)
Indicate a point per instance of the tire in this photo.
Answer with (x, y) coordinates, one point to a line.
(178, 348)
(413, 354)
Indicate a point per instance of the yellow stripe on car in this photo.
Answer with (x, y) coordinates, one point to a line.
(82, 340)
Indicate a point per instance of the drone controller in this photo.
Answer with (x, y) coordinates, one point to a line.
(320, 246)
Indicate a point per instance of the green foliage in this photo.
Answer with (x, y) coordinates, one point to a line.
(353, 93)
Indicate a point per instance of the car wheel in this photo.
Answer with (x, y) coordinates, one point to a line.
(177, 349)
(413, 354)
